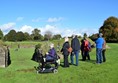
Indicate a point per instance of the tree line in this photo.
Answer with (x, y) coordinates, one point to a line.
(12, 35)
(109, 30)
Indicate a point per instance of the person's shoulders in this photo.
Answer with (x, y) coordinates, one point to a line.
(76, 39)
(53, 48)
(102, 39)
(66, 43)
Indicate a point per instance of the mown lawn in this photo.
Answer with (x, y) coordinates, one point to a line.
(22, 69)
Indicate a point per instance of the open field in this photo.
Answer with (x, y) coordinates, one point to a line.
(22, 69)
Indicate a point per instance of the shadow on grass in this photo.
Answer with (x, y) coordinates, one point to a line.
(89, 61)
(62, 64)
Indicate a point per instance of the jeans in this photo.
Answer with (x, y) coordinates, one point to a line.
(76, 53)
(98, 55)
(49, 57)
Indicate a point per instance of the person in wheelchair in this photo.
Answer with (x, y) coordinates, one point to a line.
(51, 54)
(50, 57)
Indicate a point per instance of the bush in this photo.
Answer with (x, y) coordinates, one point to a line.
(2, 43)
(38, 46)
(45, 47)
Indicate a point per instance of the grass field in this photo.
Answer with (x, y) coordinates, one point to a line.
(22, 69)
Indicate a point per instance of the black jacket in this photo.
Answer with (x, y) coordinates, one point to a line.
(64, 48)
(75, 44)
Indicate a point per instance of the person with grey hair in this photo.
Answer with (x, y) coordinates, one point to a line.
(99, 45)
(65, 52)
(75, 44)
(51, 54)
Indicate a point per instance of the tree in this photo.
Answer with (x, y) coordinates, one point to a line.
(48, 35)
(57, 36)
(36, 34)
(27, 36)
(94, 36)
(11, 36)
(1, 34)
(20, 36)
(110, 29)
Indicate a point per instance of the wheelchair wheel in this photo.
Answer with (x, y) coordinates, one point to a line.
(55, 71)
(37, 72)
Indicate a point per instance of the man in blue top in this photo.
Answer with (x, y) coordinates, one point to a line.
(99, 45)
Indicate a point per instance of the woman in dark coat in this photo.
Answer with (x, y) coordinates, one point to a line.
(65, 52)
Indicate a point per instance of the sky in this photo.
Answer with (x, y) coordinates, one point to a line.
(65, 17)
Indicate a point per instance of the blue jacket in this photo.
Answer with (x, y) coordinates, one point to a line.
(52, 52)
(99, 42)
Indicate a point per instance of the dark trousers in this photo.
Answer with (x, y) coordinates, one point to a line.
(82, 53)
(66, 63)
(103, 55)
(86, 54)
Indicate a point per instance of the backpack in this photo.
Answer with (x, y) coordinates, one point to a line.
(86, 45)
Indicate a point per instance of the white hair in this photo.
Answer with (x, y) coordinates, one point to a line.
(51, 45)
(66, 39)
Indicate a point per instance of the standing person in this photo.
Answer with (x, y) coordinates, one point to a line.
(65, 52)
(82, 49)
(75, 44)
(87, 48)
(103, 51)
(99, 45)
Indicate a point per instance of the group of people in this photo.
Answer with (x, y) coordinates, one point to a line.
(84, 46)
(75, 45)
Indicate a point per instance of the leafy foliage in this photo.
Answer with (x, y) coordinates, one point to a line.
(48, 35)
(11, 36)
(93, 37)
(20, 36)
(110, 29)
(27, 36)
(38, 46)
(1, 34)
(57, 36)
(36, 34)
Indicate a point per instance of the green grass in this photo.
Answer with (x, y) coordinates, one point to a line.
(22, 69)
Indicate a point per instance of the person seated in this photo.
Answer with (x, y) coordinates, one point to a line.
(51, 54)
